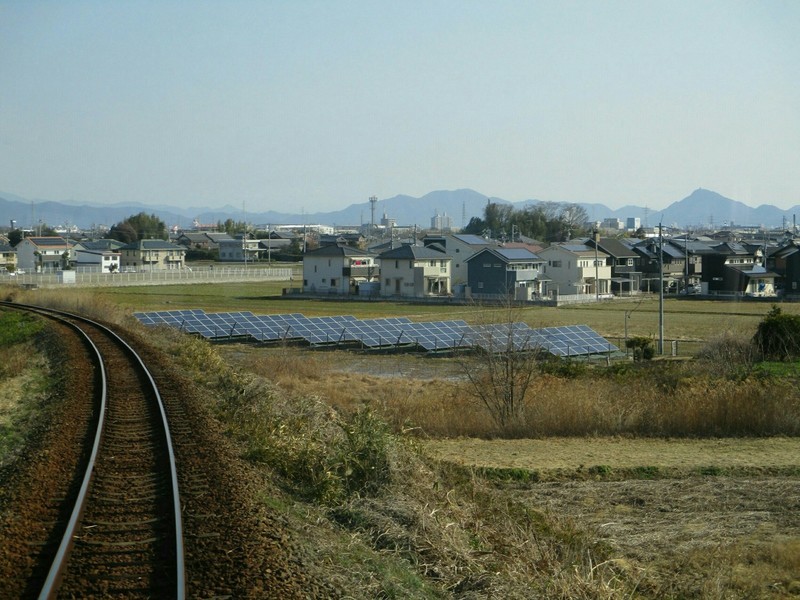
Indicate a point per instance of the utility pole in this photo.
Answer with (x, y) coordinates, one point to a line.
(660, 289)
(596, 234)
(373, 200)
(686, 261)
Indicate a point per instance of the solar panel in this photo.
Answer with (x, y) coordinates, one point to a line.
(572, 341)
(436, 335)
(433, 336)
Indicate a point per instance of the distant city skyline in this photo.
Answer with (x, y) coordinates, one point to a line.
(314, 105)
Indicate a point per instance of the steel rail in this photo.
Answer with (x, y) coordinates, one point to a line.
(50, 586)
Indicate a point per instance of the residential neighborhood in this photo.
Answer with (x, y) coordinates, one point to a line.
(447, 265)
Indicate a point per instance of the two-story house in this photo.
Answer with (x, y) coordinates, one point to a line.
(8, 258)
(577, 269)
(506, 273)
(626, 278)
(735, 269)
(415, 271)
(151, 255)
(42, 254)
(100, 255)
(459, 247)
(339, 269)
(202, 240)
(671, 264)
(693, 252)
(239, 250)
(785, 261)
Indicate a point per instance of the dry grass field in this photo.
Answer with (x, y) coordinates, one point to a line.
(683, 476)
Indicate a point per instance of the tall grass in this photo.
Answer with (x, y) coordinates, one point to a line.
(673, 399)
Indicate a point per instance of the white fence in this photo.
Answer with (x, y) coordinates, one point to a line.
(158, 277)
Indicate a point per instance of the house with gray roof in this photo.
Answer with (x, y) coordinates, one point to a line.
(41, 254)
(626, 278)
(415, 271)
(8, 258)
(575, 268)
(459, 247)
(152, 255)
(339, 269)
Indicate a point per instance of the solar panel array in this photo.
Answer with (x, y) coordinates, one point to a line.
(433, 336)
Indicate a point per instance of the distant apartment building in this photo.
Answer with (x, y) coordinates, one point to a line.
(633, 223)
(613, 224)
(443, 222)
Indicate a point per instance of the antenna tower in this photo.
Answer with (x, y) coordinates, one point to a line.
(373, 200)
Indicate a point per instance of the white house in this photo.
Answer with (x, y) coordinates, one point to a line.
(152, 255)
(103, 261)
(42, 253)
(339, 269)
(577, 269)
(8, 258)
(415, 271)
(459, 247)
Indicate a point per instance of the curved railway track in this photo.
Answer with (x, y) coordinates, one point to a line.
(117, 531)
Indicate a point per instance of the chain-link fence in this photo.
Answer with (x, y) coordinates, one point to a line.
(210, 274)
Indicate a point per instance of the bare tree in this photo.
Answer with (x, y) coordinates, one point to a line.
(501, 368)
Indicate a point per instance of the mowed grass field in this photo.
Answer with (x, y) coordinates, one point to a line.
(684, 319)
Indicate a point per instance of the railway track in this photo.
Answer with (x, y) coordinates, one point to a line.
(117, 530)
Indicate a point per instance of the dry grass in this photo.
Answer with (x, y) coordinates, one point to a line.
(659, 400)
(443, 530)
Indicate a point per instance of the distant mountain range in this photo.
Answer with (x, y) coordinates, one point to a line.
(702, 208)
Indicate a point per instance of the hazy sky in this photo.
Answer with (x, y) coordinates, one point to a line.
(316, 105)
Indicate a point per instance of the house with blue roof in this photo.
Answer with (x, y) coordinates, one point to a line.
(515, 273)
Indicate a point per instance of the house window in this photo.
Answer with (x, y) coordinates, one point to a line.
(315, 268)
(433, 263)
(411, 264)
(397, 264)
(324, 280)
(333, 282)
(388, 281)
(329, 262)
(556, 264)
(487, 265)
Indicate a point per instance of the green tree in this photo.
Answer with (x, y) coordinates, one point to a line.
(123, 232)
(139, 227)
(14, 237)
(643, 348)
(778, 335)
(546, 221)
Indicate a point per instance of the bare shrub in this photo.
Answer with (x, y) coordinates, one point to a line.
(730, 353)
(502, 371)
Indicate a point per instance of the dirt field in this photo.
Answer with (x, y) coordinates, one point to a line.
(667, 528)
